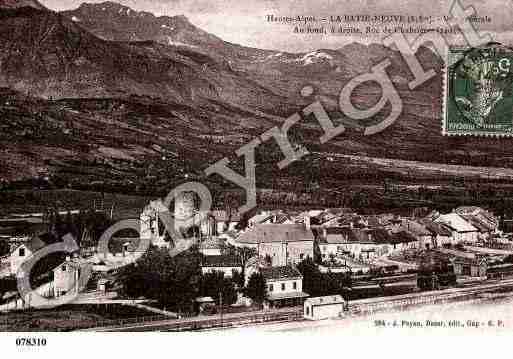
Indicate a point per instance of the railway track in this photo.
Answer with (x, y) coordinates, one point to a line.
(355, 308)
(371, 305)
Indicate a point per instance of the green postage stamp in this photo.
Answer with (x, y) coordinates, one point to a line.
(478, 94)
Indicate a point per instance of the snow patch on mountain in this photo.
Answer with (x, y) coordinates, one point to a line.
(170, 41)
(313, 57)
(271, 56)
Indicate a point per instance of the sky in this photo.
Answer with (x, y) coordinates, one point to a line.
(244, 21)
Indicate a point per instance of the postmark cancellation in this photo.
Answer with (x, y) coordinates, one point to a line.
(478, 91)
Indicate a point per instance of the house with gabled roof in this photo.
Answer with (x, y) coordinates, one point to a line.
(363, 243)
(461, 229)
(483, 215)
(228, 264)
(282, 243)
(482, 220)
(22, 252)
(284, 286)
(65, 278)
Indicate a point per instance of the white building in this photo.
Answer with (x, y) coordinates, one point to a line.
(23, 252)
(284, 286)
(324, 307)
(211, 246)
(65, 278)
(484, 221)
(462, 230)
(223, 263)
(283, 243)
(363, 244)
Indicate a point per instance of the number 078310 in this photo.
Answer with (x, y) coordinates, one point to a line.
(30, 342)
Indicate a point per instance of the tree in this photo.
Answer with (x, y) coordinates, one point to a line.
(172, 281)
(70, 226)
(243, 254)
(317, 253)
(238, 278)
(268, 260)
(243, 222)
(257, 289)
(214, 283)
(7, 284)
(92, 225)
(319, 284)
(312, 278)
(5, 248)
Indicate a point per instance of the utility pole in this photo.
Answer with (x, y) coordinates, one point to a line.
(221, 306)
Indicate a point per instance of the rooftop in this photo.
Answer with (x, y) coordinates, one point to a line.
(280, 273)
(332, 299)
(211, 243)
(221, 261)
(68, 263)
(286, 295)
(339, 235)
(402, 237)
(456, 222)
(222, 215)
(436, 228)
(266, 233)
(33, 245)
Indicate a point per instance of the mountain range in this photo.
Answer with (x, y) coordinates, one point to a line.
(104, 90)
(14, 4)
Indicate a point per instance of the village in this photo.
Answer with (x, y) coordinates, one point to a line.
(316, 261)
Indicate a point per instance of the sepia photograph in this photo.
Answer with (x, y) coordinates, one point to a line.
(255, 167)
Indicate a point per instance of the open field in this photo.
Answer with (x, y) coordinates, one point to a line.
(36, 201)
(429, 169)
(69, 317)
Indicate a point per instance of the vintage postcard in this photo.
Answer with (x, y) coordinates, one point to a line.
(255, 167)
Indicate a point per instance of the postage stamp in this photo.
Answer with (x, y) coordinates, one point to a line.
(479, 91)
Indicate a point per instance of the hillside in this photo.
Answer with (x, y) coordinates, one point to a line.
(98, 94)
(14, 4)
(112, 21)
(45, 54)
